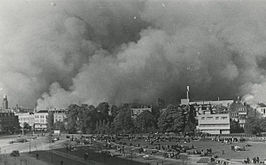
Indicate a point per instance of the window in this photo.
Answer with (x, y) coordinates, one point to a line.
(216, 118)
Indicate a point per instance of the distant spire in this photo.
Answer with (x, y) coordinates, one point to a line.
(187, 92)
(5, 103)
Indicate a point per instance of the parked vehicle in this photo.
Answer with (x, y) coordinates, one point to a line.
(15, 153)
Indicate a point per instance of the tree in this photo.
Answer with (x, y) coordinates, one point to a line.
(235, 127)
(59, 126)
(114, 111)
(190, 122)
(252, 126)
(50, 121)
(145, 121)
(73, 118)
(103, 108)
(91, 119)
(172, 119)
(263, 124)
(84, 118)
(252, 113)
(26, 127)
(123, 121)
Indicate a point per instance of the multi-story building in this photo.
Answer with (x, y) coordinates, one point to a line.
(214, 123)
(40, 120)
(261, 109)
(27, 117)
(59, 115)
(213, 116)
(238, 112)
(225, 103)
(202, 109)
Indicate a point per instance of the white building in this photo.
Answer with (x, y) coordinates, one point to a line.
(261, 110)
(59, 115)
(40, 120)
(225, 103)
(239, 112)
(25, 118)
(137, 111)
(214, 123)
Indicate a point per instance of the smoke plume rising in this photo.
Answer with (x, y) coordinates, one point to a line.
(61, 52)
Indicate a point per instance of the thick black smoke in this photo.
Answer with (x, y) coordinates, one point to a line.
(84, 51)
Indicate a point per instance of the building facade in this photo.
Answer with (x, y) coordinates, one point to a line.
(214, 123)
(137, 111)
(238, 112)
(59, 115)
(40, 120)
(261, 110)
(26, 118)
(8, 122)
(225, 103)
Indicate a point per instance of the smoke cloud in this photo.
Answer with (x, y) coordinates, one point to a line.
(62, 52)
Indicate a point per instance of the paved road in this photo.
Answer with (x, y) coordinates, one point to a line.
(41, 143)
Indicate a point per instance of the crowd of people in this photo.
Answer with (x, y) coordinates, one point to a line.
(160, 145)
(254, 160)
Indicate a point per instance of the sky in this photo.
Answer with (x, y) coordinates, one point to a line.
(61, 52)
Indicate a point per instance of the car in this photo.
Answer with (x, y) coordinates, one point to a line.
(146, 157)
(55, 139)
(15, 153)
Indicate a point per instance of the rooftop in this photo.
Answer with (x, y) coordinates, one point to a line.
(42, 111)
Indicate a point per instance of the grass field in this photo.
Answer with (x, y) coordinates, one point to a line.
(220, 149)
(256, 149)
(76, 157)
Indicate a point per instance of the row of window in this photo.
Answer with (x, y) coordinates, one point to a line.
(6, 114)
(215, 130)
(216, 118)
(214, 125)
(41, 116)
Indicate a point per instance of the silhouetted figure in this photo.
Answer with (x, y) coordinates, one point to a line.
(248, 160)
(37, 156)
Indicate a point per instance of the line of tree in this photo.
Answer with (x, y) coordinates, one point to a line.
(255, 123)
(118, 119)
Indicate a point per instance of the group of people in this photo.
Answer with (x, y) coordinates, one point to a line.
(255, 160)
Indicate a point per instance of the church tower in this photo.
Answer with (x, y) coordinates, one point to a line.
(5, 103)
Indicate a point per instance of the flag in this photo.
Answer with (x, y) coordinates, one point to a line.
(188, 88)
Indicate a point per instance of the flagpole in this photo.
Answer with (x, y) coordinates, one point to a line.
(188, 93)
